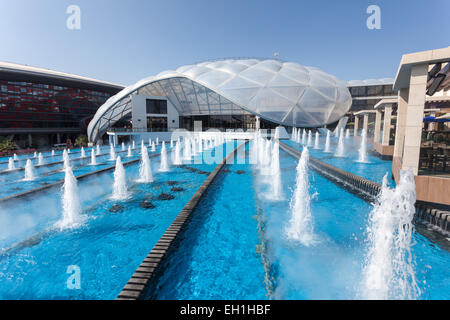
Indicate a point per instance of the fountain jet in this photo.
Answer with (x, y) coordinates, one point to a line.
(40, 159)
(316, 142)
(145, 170)
(275, 172)
(164, 167)
(327, 143)
(301, 227)
(341, 147)
(363, 147)
(71, 215)
(120, 190)
(389, 264)
(11, 165)
(93, 158)
(29, 171)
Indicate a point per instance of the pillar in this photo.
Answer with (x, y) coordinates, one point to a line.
(414, 117)
(30, 140)
(376, 134)
(387, 126)
(431, 125)
(402, 103)
(366, 123)
(355, 129)
(58, 138)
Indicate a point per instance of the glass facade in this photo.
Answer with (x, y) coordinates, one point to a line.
(366, 97)
(223, 122)
(28, 105)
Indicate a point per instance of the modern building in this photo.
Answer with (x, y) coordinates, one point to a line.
(366, 94)
(225, 94)
(423, 82)
(40, 107)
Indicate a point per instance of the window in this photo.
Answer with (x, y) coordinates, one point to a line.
(156, 106)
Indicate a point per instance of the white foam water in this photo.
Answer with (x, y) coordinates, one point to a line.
(177, 154)
(164, 167)
(389, 264)
(83, 153)
(316, 142)
(327, 142)
(362, 152)
(40, 159)
(301, 225)
(98, 150)
(71, 206)
(11, 165)
(340, 152)
(145, 170)
(29, 171)
(93, 158)
(129, 152)
(275, 174)
(112, 153)
(120, 190)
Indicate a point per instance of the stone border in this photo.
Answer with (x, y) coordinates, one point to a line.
(147, 272)
(369, 190)
(61, 182)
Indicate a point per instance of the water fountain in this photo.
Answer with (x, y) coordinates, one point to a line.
(71, 207)
(123, 146)
(93, 158)
(171, 143)
(145, 170)
(309, 138)
(66, 159)
(68, 151)
(112, 153)
(15, 157)
(83, 153)
(316, 142)
(200, 145)
(275, 173)
(341, 147)
(40, 159)
(301, 226)
(11, 165)
(149, 142)
(304, 137)
(363, 148)
(327, 143)
(157, 141)
(129, 152)
(35, 154)
(294, 135)
(134, 145)
(53, 153)
(177, 154)
(347, 133)
(164, 163)
(194, 147)
(142, 144)
(187, 155)
(389, 265)
(153, 147)
(120, 190)
(29, 171)
(98, 150)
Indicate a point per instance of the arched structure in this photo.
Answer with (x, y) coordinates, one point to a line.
(285, 93)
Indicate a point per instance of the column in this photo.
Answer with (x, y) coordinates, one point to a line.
(366, 123)
(376, 134)
(387, 125)
(355, 130)
(30, 140)
(431, 124)
(414, 117)
(58, 138)
(401, 120)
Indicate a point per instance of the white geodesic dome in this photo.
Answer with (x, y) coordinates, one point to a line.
(285, 93)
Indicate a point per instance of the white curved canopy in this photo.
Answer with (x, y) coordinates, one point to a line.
(282, 92)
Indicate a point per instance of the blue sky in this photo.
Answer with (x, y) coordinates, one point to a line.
(124, 41)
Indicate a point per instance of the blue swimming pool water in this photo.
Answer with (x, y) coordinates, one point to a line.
(208, 264)
(374, 170)
(218, 257)
(234, 247)
(107, 248)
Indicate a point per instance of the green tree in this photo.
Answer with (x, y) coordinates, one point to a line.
(81, 141)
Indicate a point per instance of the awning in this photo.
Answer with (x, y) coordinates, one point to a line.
(434, 119)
